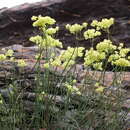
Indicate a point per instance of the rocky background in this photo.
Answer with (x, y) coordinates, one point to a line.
(16, 25)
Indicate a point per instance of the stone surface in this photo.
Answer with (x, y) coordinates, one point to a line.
(16, 28)
(94, 8)
(15, 22)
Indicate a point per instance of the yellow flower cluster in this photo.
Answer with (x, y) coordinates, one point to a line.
(46, 65)
(2, 57)
(72, 53)
(9, 53)
(103, 24)
(76, 28)
(66, 58)
(92, 56)
(51, 31)
(121, 45)
(42, 21)
(56, 62)
(73, 89)
(97, 66)
(49, 42)
(46, 41)
(113, 57)
(122, 62)
(105, 49)
(106, 46)
(36, 39)
(124, 51)
(1, 101)
(91, 33)
(9, 56)
(21, 63)
(100, 89)
(119, 57)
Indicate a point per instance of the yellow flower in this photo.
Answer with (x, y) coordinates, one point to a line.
(121, 45)
(71, 53)
(1, 102)
(84, 24)
(76, 90)
(68, 26)
(43, 93)
(41, 21)
(73, 89)
(57, 43)
(97, 66)
(106, 46)
(74, 81)
(68, 64)
(75, 28)
(52, 31)
(37, 56)
(56, 62)
(92, 56)
(46, 65)
(128, 57)
(49, 20)
(69, 87)
(103, 24)
(91, 33)
(9, 52)
(12, 59)
(113, 57)
(48, 42)
(100, 89)
(2, 57)
(124, 51)
(21, 63)
(34, 18)
(97, 84)
(36, 39)
(106, 23)
(122, 62)
(94, 23)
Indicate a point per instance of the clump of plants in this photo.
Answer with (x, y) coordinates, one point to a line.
(61, 100)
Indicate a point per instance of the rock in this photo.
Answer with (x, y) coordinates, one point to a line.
(16, 28)
(94, 8)
(128, 94)
(29, 96)
(126, 84)
(128, 121)
(6, 92)
(127, 104)
(15, 22)
(22, 13)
